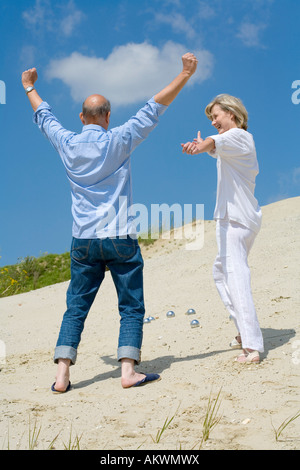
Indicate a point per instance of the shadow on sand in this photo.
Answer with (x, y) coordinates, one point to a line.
(272, 340)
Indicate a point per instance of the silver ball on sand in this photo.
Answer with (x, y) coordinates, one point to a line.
(194, 323)
(170, 314)
(190, 311)
(151, 318)
(147, 320)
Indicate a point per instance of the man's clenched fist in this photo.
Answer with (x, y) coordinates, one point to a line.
(29, 77)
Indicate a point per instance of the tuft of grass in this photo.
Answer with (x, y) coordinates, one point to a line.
(211, 417)
(284, 424)
(34, 431)
(161, 431)
(146, 239)
(33, 435)
(72, 445)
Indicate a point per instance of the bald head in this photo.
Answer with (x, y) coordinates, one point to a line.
(95, 110)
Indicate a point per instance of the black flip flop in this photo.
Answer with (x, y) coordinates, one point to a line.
(53, 389)
(148, 378)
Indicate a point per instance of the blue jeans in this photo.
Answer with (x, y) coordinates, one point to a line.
(89, 259)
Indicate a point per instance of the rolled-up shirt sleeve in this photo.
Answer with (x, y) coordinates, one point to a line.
(230, 144)
(50, 126)
(138, 127)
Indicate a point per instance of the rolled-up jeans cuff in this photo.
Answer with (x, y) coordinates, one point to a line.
(129, 352)
(65, 352)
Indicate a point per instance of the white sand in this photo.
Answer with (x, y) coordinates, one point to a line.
(193, 363)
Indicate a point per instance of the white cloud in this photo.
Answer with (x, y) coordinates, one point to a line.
(206, 11)
(289, 180)
(176, 3)
(71, 20)
(27, 56)
(250, 33)
(130, 74)
(296, 177)
(288, 185)
(177, 22)
(62, 18)
(37, 16)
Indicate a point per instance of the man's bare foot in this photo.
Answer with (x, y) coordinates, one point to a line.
(63, 375)
(128, 382)
(129, 376)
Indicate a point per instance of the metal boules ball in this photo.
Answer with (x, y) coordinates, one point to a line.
(190, 311)
(151, 318)
(170, 314)
(147, 320)
(194, 323)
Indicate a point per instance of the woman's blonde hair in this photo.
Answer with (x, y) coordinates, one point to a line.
(230, 104)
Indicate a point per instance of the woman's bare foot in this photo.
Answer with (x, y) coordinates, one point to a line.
(248, 356)
(236, 343)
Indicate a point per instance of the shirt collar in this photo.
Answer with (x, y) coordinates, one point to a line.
(93, 127)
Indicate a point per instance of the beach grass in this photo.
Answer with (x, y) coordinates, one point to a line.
(278, 431)
(35, 436)
(32, 273)
(212, 417)
(161, 431)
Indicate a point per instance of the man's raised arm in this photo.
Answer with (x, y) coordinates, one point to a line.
(169, 93)
(44, 118)
(29, 77)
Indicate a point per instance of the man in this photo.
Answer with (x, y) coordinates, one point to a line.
(97, 164)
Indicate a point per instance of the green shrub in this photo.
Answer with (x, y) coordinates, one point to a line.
(33, 273)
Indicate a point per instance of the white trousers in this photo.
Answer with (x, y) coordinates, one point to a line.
(232, 278)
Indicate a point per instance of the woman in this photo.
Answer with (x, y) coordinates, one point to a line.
(237, 215)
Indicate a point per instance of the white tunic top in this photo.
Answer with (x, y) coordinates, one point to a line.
(237, 169)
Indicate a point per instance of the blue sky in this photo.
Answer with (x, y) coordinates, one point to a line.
(128, 50)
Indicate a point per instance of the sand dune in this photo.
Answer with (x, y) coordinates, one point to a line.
(193, 362)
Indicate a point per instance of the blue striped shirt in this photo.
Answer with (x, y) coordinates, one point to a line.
(97, 163)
